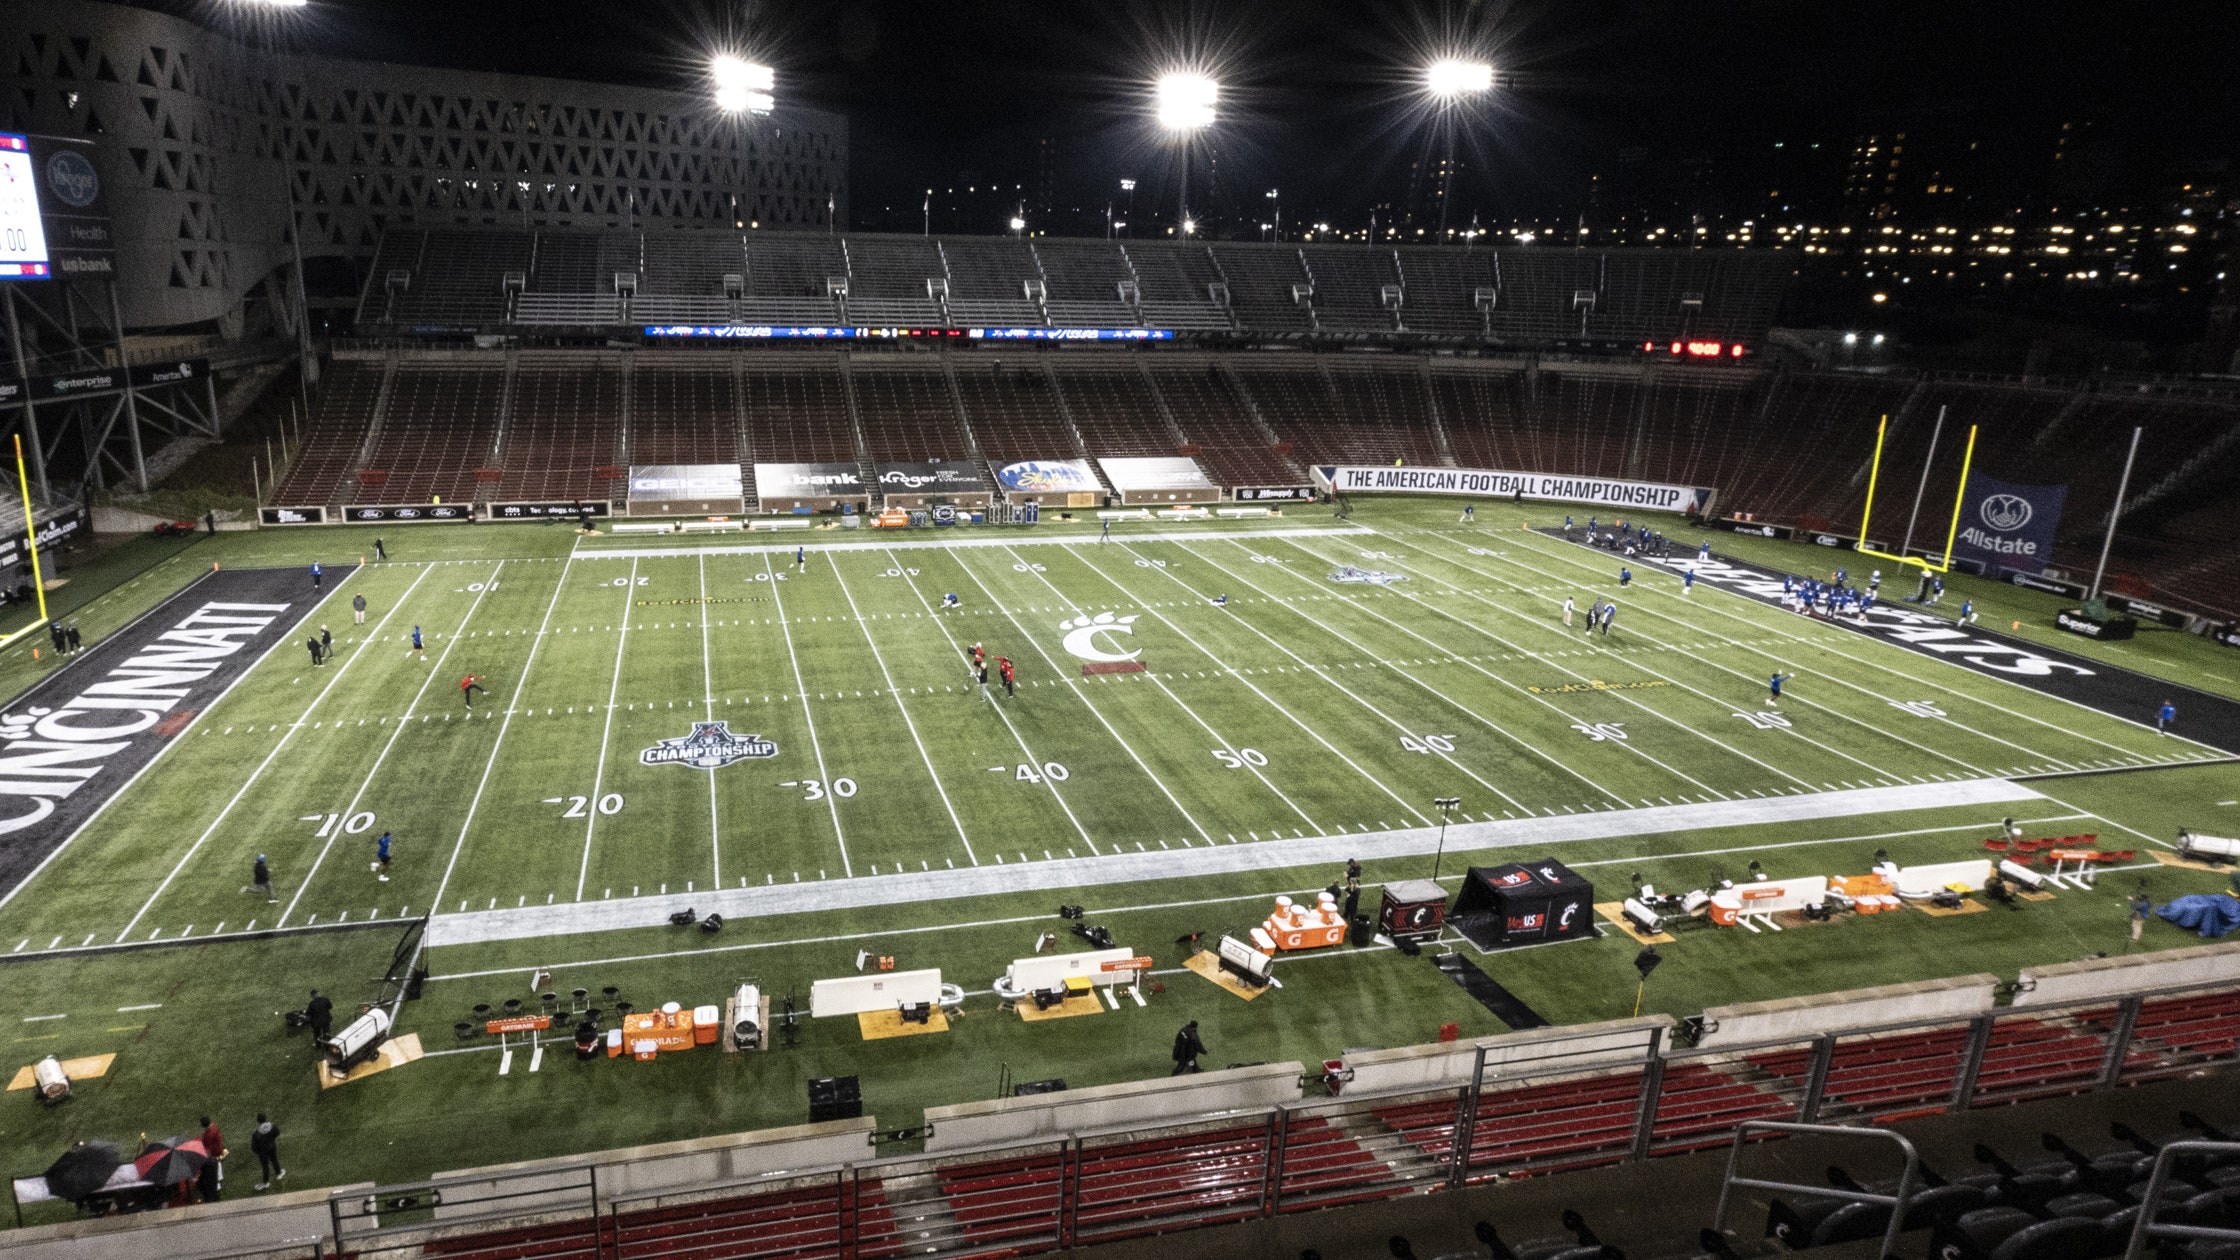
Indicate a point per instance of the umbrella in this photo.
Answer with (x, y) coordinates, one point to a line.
(83, 1169)
(171, 1161)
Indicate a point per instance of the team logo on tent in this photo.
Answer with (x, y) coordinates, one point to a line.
(2006, 511)
(1082, 632)
(710, 746)
(1365, 577)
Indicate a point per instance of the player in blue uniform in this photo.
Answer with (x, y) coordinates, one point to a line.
(1773, 684)
(2164, 717)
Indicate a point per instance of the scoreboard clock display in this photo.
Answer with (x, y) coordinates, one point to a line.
(23, 237)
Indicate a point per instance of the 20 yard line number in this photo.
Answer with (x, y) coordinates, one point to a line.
(581, 806)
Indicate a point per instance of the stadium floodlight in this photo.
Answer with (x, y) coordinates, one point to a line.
(1186, 101)
(1189, 226)
(1449, 78)
(1127, 185)
(1018, 224)
(274, 4)
(744, 86)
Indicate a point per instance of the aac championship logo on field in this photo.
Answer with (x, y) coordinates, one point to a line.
(710, 746)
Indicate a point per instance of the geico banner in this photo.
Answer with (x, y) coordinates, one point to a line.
(2009, 525)
(1487, 483)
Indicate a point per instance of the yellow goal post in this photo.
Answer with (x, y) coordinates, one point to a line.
(1959, 497)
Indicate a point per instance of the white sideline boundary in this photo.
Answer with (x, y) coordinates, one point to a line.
(957, 544)
(477, 927)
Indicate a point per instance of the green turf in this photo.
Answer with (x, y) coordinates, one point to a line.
(1348, 698)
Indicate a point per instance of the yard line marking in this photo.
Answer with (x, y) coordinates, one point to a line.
(1557, 762)
(904, 709)
(708, 673)
(785, 550)
(1542, 700)
(606, 734)
(1228, 745)
(449, 642)
(40, 1019)
(816, 745)
(255, 774)
(1647, 669)
(475, 804)
(1048, 782)
(1239, 675)
(1648, 611)
(1832, 636)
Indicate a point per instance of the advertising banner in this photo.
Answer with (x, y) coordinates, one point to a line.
(2009, 525)
(1486, 483)
(292, 515)
(1048, 478)
(922, 484)
(408, 513)
(1164, 479)
(1256, 494)
(785, 487)
(74, 208)
(1758, 528)
(563, 509)
(55, 524)
(686, 489)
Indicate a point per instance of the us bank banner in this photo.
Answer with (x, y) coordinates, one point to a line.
(1489, 483)
(2007, 525)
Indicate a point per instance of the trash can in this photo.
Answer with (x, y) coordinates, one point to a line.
(1363, 930)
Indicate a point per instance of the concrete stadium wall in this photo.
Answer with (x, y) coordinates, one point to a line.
(663, 1166)
(1957, 997)
(2115, 977)
(1450, 1063)
(236, 1225)
(1141, 1103)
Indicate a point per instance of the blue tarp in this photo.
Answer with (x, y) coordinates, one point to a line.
(2213, 915)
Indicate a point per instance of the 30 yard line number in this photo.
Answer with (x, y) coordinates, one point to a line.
(814, 789)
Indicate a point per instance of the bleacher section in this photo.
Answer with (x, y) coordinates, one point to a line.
(1220, 431)
(438, 434)
(908, 415)
(796, 416)
(684, 412)
(1116, 411)
(563, 434)
(1085, 280)
(1014, 412)
(335, 437)
(988, 281)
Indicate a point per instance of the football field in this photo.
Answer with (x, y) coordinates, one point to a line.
(691, 717)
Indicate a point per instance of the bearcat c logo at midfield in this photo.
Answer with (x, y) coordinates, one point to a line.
(710, 746)
(1082, 632)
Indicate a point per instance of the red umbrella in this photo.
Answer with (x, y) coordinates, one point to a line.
(171, 1160)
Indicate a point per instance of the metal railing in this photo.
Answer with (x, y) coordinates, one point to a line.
(1909, 1178)
(2146, 1228)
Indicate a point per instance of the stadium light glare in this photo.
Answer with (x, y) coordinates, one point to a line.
(744, 86)
(1186, 101)
(1189, 226)
(1450, 77)
(1018, 224)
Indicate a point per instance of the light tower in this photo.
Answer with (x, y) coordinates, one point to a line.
(1186, 107)
(1449, 81)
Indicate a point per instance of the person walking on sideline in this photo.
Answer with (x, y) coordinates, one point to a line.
(1187, 1047)
(379, 552)
(260, 880)
(1773, 685)
(358, 608)
(1003, 667)
(1469, 514)
(2164, 716)
(71, 633)
(1609, 614)
(381, 858)
(264, 1142)
(316, 658)
(320, 1014)
(800, 559)
(418, 647)
(1567, 607)
(318, 576)
(326, 641)
(980, 671)
(469, 685)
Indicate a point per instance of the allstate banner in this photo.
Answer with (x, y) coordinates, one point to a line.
(1487, 483)
(2008, 525)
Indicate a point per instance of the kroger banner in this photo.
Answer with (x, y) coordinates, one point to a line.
(1484, 483)
(2007, 525)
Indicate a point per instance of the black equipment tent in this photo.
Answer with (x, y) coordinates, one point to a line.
(1523, 903)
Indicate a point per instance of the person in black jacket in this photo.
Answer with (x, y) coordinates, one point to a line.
(261, 879)
(265, 1142)
(321, 1014)
(1187, 1048)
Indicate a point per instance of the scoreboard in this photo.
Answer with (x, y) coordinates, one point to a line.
(23, 234)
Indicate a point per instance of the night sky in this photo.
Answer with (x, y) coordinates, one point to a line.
(1316, 94)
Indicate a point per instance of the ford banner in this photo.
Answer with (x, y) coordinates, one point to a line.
(2009, 526)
